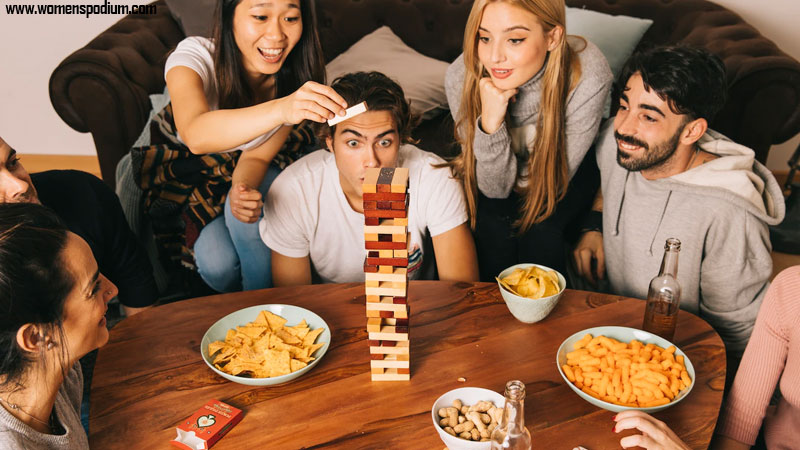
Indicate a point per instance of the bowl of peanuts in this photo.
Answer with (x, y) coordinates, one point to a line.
(465, 417)
(621, 368)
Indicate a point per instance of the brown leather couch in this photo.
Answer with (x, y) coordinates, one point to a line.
(103, 87)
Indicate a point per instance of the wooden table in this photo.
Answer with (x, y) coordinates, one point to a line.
(150, 375)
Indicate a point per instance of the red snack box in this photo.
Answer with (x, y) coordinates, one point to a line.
(206, 426)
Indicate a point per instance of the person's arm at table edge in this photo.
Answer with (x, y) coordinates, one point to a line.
(456, 258)
(288, 271)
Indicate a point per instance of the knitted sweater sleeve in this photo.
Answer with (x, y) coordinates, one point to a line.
(763, 361)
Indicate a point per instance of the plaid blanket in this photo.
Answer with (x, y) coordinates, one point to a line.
(183, 192)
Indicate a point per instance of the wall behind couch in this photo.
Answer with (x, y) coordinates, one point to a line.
(33, 45)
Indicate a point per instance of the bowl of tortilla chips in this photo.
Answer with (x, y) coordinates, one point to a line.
(265, 345)
(531, 291)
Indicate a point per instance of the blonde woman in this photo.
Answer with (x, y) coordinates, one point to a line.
(527, 101)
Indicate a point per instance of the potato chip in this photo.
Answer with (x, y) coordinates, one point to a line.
(533, 282)
(265, 347)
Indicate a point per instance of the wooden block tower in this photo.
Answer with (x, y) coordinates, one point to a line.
(386, 272)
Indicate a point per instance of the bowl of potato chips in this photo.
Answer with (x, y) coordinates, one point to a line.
(530, 291)
(622, 368)
(265, 345)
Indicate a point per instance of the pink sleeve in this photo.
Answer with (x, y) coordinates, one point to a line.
(761, 367)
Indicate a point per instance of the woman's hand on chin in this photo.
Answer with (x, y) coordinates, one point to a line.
(494, 103)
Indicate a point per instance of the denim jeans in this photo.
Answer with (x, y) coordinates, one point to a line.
(230, 254)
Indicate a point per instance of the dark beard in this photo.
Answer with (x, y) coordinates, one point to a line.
(651, 158)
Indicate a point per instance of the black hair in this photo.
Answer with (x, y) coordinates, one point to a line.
(691, 80)
(305, 61)
(381, 94)
(34, 283)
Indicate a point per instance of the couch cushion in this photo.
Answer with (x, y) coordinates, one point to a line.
(421, 77)
(195, 17)
(616, 36)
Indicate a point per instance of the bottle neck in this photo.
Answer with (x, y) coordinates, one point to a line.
(669, 265)
(514, 410)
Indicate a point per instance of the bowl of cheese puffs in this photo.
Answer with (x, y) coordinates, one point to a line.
(530, 291)
(621, 368)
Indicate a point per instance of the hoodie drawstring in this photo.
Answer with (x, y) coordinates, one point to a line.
(660, 219)
(621, 202)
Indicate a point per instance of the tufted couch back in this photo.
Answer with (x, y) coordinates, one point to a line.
(103, 88)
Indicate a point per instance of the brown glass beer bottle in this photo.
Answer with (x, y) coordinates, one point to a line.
(664, 295)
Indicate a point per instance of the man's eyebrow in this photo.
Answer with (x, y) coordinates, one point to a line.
(348, 130)
(387, 132)
(652, 108)
(88, 289)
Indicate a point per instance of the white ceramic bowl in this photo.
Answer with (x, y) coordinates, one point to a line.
(468, 396)
(622, 334)
(525, 309)
(293, 316)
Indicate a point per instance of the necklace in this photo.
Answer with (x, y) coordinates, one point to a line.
(50, 425)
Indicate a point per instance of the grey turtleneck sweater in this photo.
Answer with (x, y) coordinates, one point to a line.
(502, 156)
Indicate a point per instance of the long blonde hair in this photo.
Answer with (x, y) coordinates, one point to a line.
(547, 161)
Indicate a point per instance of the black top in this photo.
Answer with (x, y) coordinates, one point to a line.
(92, 210)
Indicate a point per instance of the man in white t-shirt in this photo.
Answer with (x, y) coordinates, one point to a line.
(313, 213)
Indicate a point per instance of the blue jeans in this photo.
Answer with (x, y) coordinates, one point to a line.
(230, 254)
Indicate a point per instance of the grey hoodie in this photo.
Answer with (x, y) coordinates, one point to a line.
(719, 210)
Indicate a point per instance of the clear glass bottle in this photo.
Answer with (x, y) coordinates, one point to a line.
(664, 295)
(511, 433)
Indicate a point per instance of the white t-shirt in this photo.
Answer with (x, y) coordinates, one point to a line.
(197, 53)
(306, 213)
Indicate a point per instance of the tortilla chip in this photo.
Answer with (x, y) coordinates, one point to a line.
(297, 365)
(275, 321)
(312, 336)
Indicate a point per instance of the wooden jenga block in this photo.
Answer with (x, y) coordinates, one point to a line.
(387, 333)
(403, 237)
(386, 290)
(373, 299)
(391, 374)
(395, 321)
(385, 269)
(373, 258)
(386, 304)
(386, 196)
(372, 237)
(401, 221)
(385, 253)
(374, 325)
(370, 245)
(387, 363)
(370, 268)
(372, 221)
(398, 274)
(374, 313)
(370, 180)
(375, 356)
(370, 205)
(400, 180)
(371, 283)
(386, 226)
(376, 371)
(374, 343)
(399, 300)
(404, 371)
(400, 254)
(401, 348)
(385, 213)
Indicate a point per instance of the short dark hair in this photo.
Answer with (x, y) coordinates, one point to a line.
(34, 283)
(691, 80)
(381, 94)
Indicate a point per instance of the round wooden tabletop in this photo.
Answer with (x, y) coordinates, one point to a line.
(150, 376)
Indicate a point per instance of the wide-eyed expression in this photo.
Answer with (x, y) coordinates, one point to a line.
(367, 140)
